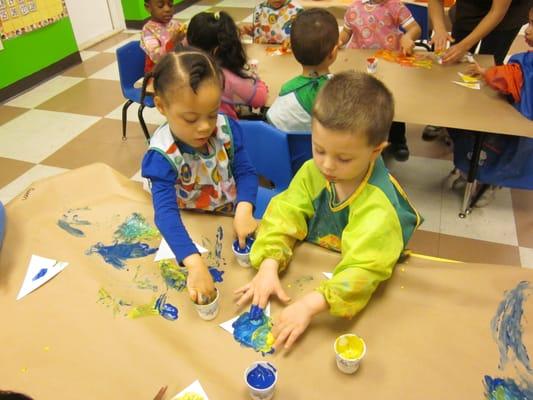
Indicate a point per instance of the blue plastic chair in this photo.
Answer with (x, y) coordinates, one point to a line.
(420, 14)
(130, 59)
(268, 151)
(2, 223)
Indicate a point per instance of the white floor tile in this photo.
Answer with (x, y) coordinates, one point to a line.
(43, 92)
(114, 48)
(428, 173)
(238, 3)
(493, 223)
(110, 73)
(151, 115)
(14, 188)
(37, 134)
(87, 54)
(526, 257)
(190, 12)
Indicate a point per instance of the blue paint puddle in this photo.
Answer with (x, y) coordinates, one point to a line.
(261, 377)
(40, 274)
(116, 254)
(216, 274)
(166, 310)
(253, 329)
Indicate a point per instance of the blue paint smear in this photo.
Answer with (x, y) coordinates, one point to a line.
(252, 332)
(70, 229)
(40, 274)
(506, 326)
(506, 389)
(260, 377)
(216, 274)
(218, 243)
(256, 314)
(247, 246)
(116, 254)
(166, 310)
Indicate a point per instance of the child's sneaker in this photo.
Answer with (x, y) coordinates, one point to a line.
(487, 197)
(455, 180)
(400, 151)
(431, 132)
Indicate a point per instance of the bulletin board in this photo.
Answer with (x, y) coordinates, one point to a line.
(18, 17)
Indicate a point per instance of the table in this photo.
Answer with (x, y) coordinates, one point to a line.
(427, 329)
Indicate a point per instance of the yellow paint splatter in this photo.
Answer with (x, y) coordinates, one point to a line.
(46, 348)
(289, 286)
(402, 269)
(401, 287)
(24, 370)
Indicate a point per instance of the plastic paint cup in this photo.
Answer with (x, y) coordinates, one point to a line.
(371, 65)
(254, 65)
(349, 351)
(208, 311)
(243, 255)
(261, 378)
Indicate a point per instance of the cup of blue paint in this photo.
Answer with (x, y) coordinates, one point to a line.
(261, 378)
(208, 311)
(243, 255)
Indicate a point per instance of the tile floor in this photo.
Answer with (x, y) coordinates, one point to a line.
(74, 119)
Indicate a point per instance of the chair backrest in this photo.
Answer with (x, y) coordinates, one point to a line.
(420, 14)
(268, 150)
(130, 60)
(300, 149)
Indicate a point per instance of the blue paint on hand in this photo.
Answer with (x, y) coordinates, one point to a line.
(247, 247)
(40, 274)
(260, 377)
(216, 274)
(116, 254)
(166, 310)
(256, 314)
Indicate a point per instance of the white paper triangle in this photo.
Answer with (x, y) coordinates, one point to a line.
(164, 252)
(40, 271)
(476, 86)
(327, 274)
(195, 388)
(228, 324)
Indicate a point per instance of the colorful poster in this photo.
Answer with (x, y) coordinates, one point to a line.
(18, 17)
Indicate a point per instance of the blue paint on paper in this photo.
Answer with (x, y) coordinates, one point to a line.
(40, 274)
(507, 329)
(117, 253)
(166, 310)
(216, 274)
(71, 218)
(70, 229)
(255, 333)
(261, 377)
(218, 243)
(506, 389)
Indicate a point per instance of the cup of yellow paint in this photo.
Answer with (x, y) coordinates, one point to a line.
(349, 351)
(208, 311)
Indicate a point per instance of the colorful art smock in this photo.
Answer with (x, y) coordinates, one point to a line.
(291, 111)
(273, 25)
(370, 229)
(183, 177)
(376, 25)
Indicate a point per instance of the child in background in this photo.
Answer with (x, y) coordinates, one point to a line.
(507, 160)
(196, 160)
(344, 200)
(273, 19)
(314, 42)
(161, 33)
(375, 24)
(217, 34)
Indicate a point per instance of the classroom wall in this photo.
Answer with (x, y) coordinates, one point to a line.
(32, 52)
(135, 14)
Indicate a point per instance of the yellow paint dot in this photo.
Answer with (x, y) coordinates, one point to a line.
(24, 370)
(402, 269)
(46, 348)
(401, 287)
(288, 286)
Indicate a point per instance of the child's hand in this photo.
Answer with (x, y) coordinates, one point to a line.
(200, 283)
(407, 45)
(294, 319)
(454, 54)
(265, 283)
(244, 222)
(179, 35)
(475, 69)
(247, 29)
(440, 41)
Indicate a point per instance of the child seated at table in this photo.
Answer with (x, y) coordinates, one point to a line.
(196, 160)
(377, 24)
(272, 21)
(161, 33)
(217, 34)
(506, 160)
(344, 200)
(314, 42)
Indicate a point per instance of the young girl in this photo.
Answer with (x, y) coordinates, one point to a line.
(196, 160)
(375, 24)
(217, 34)
(273, 19)
(161, 33)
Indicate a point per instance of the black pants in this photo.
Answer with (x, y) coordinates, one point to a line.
(397, 133)
(496, 43)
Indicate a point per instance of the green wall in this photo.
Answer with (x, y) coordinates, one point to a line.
(33, 51)
(134, 9)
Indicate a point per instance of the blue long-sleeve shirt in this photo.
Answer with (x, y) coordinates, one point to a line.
(163, 177)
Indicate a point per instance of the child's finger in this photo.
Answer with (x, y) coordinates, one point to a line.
(245, 297)
(193, 294)
(262, 300)
(280, 339)
(242, 241)
(295, 334)
(284, 297)
(242, 289)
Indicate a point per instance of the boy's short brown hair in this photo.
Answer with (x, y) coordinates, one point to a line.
(356, 102)
(314, 34)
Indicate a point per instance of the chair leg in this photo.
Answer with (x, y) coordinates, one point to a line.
(143, 124)
(125, 117)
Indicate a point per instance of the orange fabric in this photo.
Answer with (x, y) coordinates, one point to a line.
(507, 79)
(447, 3)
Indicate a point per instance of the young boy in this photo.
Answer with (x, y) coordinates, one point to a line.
(344, 200)
(314, 42)
(273, 19)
